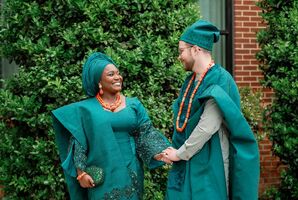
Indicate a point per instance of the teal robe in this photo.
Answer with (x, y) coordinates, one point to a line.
(118, 142)
(202, 177)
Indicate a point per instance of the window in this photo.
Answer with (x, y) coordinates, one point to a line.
(6, 68)
(220, 14)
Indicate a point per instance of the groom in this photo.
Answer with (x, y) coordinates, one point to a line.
(215, 155)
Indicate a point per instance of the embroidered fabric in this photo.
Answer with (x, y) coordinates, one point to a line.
(149, 142)
(80, 155)
(127, 191)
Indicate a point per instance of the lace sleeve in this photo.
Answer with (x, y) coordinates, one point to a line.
(149, 142)
(80, 155)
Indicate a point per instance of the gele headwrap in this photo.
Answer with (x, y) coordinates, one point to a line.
(92, 71)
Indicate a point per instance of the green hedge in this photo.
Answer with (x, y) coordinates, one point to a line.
(50, 40)
(279, 63)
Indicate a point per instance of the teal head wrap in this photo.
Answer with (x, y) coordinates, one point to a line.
(202, 34)
(92, 71)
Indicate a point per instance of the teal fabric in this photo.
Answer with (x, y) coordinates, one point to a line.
(79, 155)
(109, 138)
(202, 34)
(92, 71)
(202, 177)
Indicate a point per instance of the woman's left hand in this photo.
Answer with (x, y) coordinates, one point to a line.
(86, 181)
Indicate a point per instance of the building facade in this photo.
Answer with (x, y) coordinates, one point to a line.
(247, 22)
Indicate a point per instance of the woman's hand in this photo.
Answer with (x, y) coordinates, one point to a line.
(86, 181)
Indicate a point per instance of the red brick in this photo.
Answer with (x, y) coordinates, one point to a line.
(242, 62)
(255, 18)
(238, 2)
(249, 35)
(257, 73)
(250, 68)
(238, 67)
(240, 7)
(236, 18)
(249, 56)
(250, 13)
(238, 13)
(243, 29)
(249, 78)
(253, 46)
(269, 95)
(254, 29)
(242, 40)
(238, 78)
(255, 8)
(254, 62)
(242, 84)
(242, 51)
(238, 24)
(249, 2)
(238, 57)
(250, 24)
(241, 73)
(238, 35)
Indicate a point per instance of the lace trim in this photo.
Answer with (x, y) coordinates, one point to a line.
(149, 142)
(127, 191)
(80, 155)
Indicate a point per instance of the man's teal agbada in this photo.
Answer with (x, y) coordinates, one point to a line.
(202, 174)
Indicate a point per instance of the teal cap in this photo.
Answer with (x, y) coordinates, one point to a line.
(92, 71)
(202, 34)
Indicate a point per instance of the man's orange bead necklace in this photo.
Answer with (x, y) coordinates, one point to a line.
(180, 129)
(112, 107)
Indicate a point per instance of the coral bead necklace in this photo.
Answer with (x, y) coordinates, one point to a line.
(180, 129)
(112, 107)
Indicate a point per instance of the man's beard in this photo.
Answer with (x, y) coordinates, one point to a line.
(188, 65)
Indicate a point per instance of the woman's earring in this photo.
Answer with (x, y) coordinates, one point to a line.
(100, 90)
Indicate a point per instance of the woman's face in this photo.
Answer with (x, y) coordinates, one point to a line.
(111, 80)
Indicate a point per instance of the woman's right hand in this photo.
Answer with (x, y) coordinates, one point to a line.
(86, 181)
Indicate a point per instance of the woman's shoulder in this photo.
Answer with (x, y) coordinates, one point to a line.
(133, 102)
(132, 99)
(75, 105)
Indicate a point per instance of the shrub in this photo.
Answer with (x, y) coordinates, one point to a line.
(279, 63)
(252, 109)
(49, 40)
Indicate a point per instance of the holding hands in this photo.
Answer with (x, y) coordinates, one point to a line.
(168, 155)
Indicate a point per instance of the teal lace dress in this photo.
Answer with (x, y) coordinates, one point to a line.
(119, 143)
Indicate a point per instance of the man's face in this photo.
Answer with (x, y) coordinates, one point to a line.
(185, 55)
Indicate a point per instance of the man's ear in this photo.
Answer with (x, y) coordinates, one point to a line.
(197, 49)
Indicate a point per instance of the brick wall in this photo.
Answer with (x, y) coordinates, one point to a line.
(247, 22)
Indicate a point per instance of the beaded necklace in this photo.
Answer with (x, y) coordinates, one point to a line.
(113, 106)
(180, 129)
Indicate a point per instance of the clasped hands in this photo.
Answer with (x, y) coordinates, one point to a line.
(168, 155)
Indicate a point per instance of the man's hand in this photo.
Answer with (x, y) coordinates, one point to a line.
(170, 153)
(162, 157)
